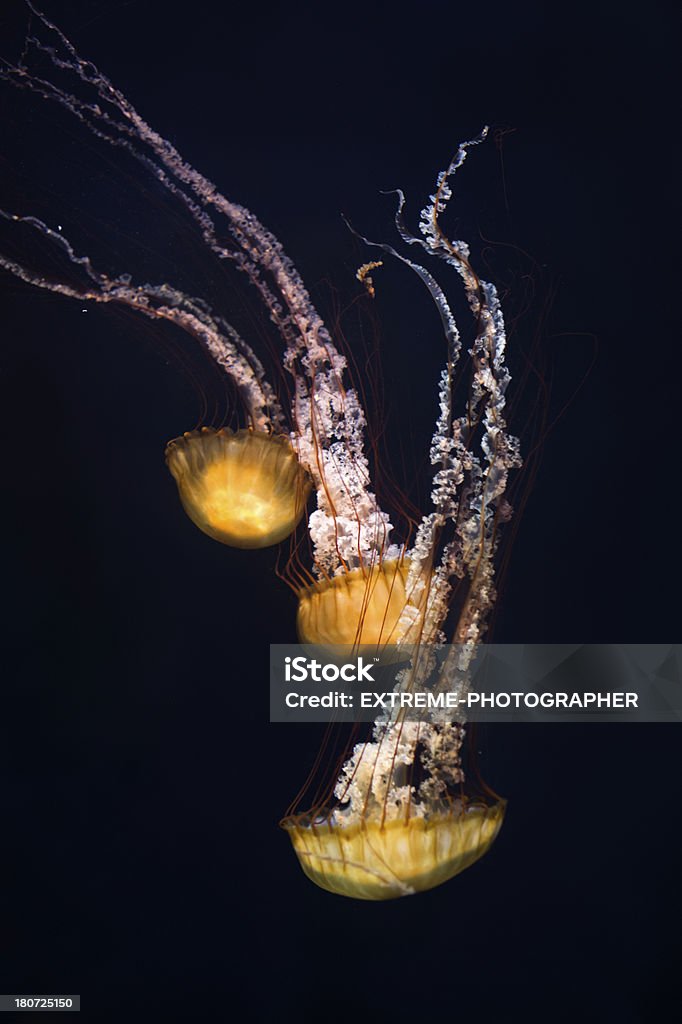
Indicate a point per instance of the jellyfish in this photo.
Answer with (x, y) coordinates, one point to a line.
(243, 488)
(381, 844)
(398, 819)
(396, 816)
(361, 607)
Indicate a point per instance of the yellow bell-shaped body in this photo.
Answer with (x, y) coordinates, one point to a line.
(244, 489)
(374, 861)
(359, 607)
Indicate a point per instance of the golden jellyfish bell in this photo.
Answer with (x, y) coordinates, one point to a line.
(245, 489)
(372, 860)
(361, 607)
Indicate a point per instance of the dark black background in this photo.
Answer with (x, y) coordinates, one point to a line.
(140, 798)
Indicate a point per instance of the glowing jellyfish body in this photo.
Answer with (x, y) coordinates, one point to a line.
(243, 489)
(372, 860)
(395, 818)
(360, 607)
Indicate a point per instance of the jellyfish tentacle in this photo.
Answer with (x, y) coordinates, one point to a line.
(162, 302)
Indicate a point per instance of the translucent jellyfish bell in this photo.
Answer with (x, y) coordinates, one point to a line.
(363, 606)
(245, 489)
(375, 860)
